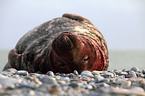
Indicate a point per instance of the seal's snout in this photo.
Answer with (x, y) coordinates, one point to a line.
(64, 43)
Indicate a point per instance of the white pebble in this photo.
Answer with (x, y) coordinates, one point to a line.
(126, 84)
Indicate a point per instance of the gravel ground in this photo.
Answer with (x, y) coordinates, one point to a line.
(126, 82)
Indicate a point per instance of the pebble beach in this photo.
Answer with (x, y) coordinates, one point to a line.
(125, 82)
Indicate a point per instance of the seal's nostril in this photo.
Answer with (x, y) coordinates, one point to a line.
(65, 42)
(61, 64)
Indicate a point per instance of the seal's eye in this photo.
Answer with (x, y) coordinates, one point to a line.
(85, 59)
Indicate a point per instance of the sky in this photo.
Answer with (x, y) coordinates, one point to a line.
(122, 22)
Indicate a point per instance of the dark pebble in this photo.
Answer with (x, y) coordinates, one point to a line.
(73, 85)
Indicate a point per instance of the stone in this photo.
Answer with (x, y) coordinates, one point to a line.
(36, 80)
(106, 80)
(39, 76)
(98, 78)
(143, 71)
(54, 90)
(31, 93)
(11, 70)
(73, 85)
(10, 87)
(28, 77)
(139, 74)
(135, 69)
(61, 82)
(9, 81)
(93, 85)
(3, 76)
(71, 75)
(96, 72)
(107, 74)
(16, 76)
(87, 73)
(138, 89)
(119, 81)
(50, 73)
(102, 85)
(86, 79)
(1, 86)
(76, 72)
(27, 85)
(140, 81)
(89, 87)
(35, 84)
(126, 84)
(124, 70)
(123, 92)
(6, 73)
(142, 85)
(22, 72)
(117, 72)
(123, 73)
(132, 74)
(48, 80)
(66, 79)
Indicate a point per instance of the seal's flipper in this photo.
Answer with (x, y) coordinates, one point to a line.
(76, 17)
(14, 59)
(7, 66)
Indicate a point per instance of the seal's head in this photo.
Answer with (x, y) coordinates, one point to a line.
(72, 52)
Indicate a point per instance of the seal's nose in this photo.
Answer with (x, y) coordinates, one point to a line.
(64, 43)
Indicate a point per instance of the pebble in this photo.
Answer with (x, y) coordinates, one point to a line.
(61, 82)
(98, 78)
(2, 76)
(73, 85)
(1, 86)
(96, 72)
(140, 74)
(9, 81)
(39, 76)
(135, 69)
(142, 85)
(107, 74)
(97, 83)
(48, 80)
(138, 89)
(123, 73)
(5, 73)
(31, 93)
(54, 90)
(11, 70)
(22, 72)
(102, 85)
(36, 80)
(126, 84)
(87, 73)
(143, 71)
(132, 74)
(76, 72)
(86, 79)
(50, 73)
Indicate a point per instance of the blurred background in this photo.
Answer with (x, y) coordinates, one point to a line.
(122, 22)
